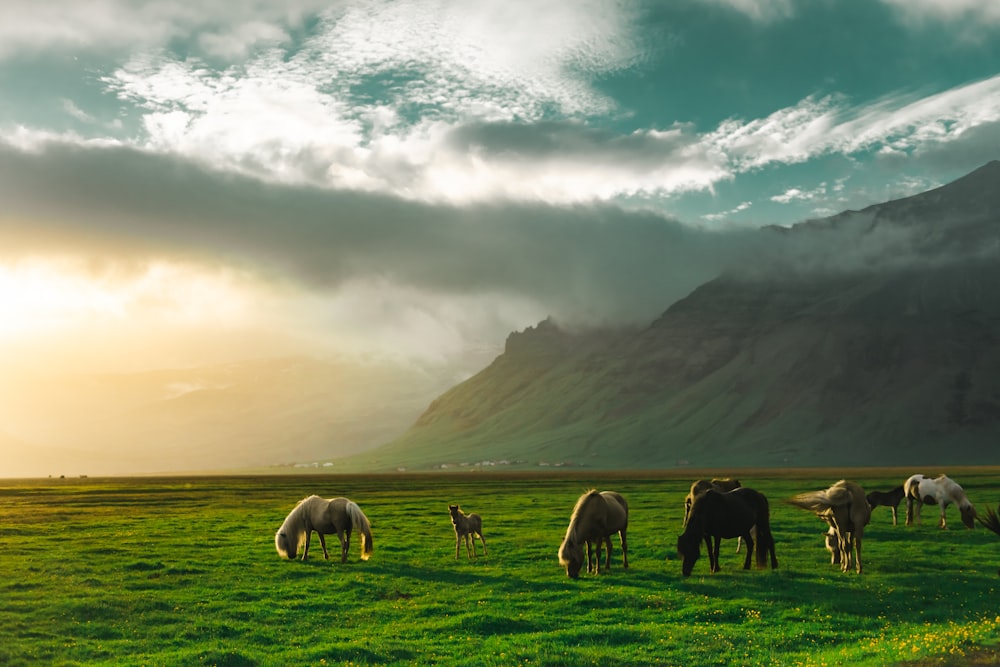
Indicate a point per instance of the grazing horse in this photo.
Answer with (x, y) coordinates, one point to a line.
(703, 485)
(716, 515)
(846, 509)
(338, 515)
(596, 517)
(938, 491)
(468, 526)
(887, 499)
(991, 522)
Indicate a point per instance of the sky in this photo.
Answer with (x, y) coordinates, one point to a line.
(189, 181)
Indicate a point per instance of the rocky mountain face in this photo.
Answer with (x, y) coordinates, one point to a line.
(868, 338)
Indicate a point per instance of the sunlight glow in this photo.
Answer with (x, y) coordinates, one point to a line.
(43, 296)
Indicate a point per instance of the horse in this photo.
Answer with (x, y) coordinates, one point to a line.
(845, 508)
(939, 491)
(887, 499)
(703, 485)
(992, 520)
(596, 516)
(715, 515)
(337, 515)
(468, 526)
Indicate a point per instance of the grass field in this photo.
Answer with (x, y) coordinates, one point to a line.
(155, 571)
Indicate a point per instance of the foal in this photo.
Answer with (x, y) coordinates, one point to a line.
(887, 499)
(468, 526)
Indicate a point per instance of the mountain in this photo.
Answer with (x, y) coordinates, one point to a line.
(868, 338)
(223, 417)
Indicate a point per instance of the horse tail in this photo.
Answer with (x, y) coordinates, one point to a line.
(820, 501)
(765, 540)
(815, 501)
(360, 521)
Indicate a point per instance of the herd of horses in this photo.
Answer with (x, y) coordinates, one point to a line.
(714, 510)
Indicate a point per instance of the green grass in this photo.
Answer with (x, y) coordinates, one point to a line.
(184, 572)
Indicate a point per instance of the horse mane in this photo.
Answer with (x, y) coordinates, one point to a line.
(574, 518)
(294, 524)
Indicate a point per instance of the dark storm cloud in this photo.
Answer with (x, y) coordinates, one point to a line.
(570, 140)
(585, 263)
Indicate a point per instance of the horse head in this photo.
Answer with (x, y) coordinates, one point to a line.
(968, 515)
(287, 544)
(689, 548)
(571, 557)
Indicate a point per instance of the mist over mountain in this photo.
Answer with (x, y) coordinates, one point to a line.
(870, 337)
(287, 412)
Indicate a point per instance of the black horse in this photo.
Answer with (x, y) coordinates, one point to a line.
(715, 515)
(887, 499)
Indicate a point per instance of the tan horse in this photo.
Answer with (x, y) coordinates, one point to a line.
(338, 515)
(846, 509)
(468, 526)
(596, 517)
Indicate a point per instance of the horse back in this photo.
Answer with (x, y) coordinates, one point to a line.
(605, 514)
(329, 516)
(728, 514)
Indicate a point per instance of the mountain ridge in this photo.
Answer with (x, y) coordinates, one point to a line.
(779, 367)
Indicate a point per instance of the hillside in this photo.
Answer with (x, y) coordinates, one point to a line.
(868, 338)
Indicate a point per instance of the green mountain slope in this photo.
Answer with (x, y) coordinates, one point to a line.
(829, 355)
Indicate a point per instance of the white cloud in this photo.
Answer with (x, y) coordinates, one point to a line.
(899, 123)
(969, 11)
(715, 217)
(310, 118)
(759, 10)
(795, 194)
(32, 27)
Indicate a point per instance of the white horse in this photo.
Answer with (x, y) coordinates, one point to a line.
(338, 515)
(940, 491)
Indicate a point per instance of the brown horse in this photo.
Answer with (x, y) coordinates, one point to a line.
(596, 517)
(338, 515)
(699, 487)
(468, 526)
(846, 509)
(887, 499)
(716, 515)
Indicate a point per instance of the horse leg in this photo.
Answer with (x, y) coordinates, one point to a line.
(909, 511)
(715, 554)
(607, 558)
(621, 534)
(322, 541)
(458, 542)
(894, 514)
(345, 545)
(943, 523)
(470, 546)
(305, 552)
(846, 543)
(483, 540)
(750, 544)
